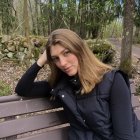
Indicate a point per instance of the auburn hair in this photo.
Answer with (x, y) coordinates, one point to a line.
(91, 70)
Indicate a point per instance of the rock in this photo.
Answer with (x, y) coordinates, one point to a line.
(32, 61)
(20, 56)
(25, 50)
(10, 55)
(5, 51)
(11, 48)
(138, 72)
(1, 55)
(21, 49)
(25, 45)
(5, 38)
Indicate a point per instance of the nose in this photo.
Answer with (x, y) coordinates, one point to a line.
(63, 62)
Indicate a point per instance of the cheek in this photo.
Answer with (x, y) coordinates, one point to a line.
(75, 59)
(57, 65)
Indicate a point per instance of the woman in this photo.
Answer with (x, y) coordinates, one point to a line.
(95, 97)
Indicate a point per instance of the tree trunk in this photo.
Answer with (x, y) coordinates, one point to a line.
(82, 29)
(72, 5)
(33, 29)
(26, 33)
(126, 49)
(137, 32)
(26, 19)
(50, 17)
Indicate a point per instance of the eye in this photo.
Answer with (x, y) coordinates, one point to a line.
(67, 52)
(55, 59)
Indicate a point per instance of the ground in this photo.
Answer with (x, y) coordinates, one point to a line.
(135, 60)
(10, 72)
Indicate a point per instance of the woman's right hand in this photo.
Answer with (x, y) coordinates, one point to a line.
(42, 59)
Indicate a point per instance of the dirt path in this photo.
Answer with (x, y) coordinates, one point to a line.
(135, 48)
(135, 61)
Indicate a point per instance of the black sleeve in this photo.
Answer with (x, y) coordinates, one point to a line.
(28, 87)
(121, 109)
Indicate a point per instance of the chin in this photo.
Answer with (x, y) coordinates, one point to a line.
(71, 73)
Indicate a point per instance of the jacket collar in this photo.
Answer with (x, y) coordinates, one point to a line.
(65, 81)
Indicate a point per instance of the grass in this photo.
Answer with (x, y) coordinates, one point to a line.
(113, 30)
(4, 89)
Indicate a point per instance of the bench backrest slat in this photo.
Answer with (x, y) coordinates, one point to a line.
(34, 105)
(25, 106)
(22, 125)
(19, 116)
(10, 98)
(58, 134)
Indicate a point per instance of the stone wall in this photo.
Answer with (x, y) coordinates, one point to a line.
(19, 47)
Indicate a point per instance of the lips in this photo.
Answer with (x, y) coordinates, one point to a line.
(67, 69)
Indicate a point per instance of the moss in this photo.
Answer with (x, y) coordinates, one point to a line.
(4, 89)
(126, 66)
(102, 49)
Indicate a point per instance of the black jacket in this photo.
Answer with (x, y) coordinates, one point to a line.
(104, 114)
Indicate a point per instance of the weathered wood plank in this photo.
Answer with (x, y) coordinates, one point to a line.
(9, 98)
(25, 106)
(58, 134)
(133, 88)
(135, 101)
(23, 125)
(137, 111)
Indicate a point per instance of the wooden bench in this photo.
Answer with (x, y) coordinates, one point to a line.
(31, 119)
(37, 118)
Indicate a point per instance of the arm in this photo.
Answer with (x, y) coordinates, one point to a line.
(26, 85)
(121, 109)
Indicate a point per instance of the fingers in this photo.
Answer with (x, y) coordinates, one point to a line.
(42, 59)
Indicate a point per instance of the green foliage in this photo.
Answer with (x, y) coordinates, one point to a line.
(138, 90)
(113, 30)
(4, 89)
(136, 40)
(6, 15)
(85, 17)
(137, 14)
(102, 49)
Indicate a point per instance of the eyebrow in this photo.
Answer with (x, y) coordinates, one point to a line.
(60, 52)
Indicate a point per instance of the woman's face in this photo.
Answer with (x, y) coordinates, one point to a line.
(64, 59)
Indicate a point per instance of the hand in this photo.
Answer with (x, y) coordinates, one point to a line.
(42, 59)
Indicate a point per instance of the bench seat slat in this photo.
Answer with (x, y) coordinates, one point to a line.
(58, 134)
(23, 125)
(133, 88)
(137, 111)
(25, 106)
(135, 101)
(10, 98)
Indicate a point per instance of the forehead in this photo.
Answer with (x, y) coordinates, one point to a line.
(56, 49)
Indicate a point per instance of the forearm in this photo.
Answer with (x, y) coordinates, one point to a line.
(26, 85)
(121, 109)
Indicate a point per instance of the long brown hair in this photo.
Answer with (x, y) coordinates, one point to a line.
(91, 70)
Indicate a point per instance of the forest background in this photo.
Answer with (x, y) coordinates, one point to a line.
(31, 21)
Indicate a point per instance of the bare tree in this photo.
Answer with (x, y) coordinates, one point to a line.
(26, 19)
(126, 49)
